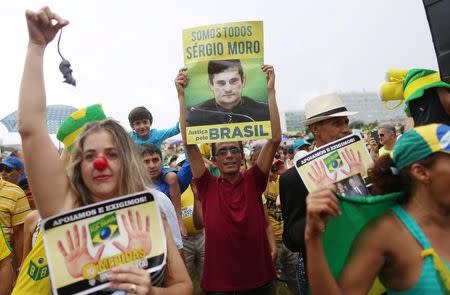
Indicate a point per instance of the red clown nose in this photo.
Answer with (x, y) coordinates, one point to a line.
(100, 163)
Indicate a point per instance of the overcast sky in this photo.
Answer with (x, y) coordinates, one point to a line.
(127, 53)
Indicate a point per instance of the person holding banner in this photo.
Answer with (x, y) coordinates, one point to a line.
(407, 247)
(226, 80)
(237, 252)
(327, 117)
(105, 164)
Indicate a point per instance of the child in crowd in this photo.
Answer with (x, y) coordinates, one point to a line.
(141, 121)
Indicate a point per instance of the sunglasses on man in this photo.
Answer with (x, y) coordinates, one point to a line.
(224, 151)
(4, 168)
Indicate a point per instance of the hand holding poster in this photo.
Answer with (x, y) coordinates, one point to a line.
(226, 98)
(333, 162)
(344, 162)
(85, 244)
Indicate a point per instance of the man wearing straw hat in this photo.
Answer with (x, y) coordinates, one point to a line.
(327, 117)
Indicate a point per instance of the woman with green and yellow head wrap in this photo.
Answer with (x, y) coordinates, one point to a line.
(407, 247)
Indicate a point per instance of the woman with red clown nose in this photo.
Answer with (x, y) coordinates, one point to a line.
(100, 163)
(104, 164)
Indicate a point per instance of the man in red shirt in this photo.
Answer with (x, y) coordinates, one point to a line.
(237, 252)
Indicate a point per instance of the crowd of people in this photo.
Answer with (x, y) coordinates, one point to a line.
(237, 215)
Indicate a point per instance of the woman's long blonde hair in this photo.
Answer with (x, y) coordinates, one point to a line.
(133, 176)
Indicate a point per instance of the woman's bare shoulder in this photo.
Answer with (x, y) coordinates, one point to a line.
(386, 233)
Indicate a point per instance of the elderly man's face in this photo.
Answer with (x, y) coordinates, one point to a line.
(227, 87)
(387, 137)
(330, 130)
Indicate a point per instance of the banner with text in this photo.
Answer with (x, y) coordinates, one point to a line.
(226, 97)
(333, 162)
(83, 245)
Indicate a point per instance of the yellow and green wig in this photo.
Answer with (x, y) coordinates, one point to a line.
(71, 127)
(420, 142)
(407, 85)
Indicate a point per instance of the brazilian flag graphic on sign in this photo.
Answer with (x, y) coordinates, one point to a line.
(333, 161)
(104, 229)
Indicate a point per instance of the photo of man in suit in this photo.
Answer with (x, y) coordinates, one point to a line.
(352, 186)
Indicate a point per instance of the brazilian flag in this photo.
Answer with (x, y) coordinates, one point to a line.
(333, 161)
(342, 230)
(104, 229)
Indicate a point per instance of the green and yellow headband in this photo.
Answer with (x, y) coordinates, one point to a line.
(407, 85)
(418, 143)
(71, 127)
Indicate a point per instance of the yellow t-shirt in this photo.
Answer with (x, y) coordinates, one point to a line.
(4, 246)
(33, 276)
(384, 151)
(275, 216)
(14, 207)
(187, 209)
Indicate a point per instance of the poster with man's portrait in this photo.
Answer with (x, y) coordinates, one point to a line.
(226, 97)
(85, 244)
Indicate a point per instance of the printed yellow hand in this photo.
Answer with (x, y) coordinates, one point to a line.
(78, 255)
(354, 162)
(320, 176)
(138, 235)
